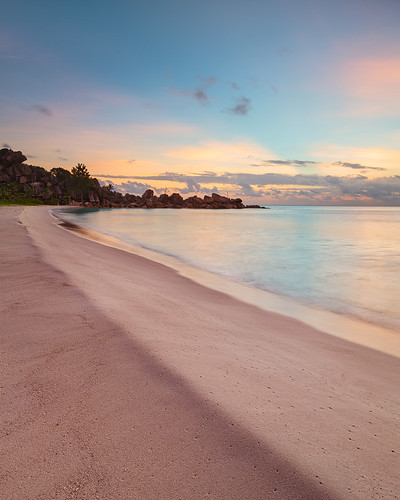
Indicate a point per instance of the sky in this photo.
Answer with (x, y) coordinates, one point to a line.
(272, 101)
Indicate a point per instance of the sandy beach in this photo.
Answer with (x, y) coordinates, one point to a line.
(121, 378)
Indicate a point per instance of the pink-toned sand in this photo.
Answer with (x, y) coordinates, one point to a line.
(121, 379)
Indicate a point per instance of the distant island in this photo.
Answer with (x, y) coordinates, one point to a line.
(29, 185)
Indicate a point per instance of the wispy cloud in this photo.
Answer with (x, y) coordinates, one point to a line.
(207, 81)
(381, 157)
(356, 166)
(297, 163)
(242, 107)
(40, 109)
(130, 161)
(201, 97)
(198, 95)
(5, 145)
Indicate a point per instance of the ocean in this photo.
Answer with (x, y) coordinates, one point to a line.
(340, 259)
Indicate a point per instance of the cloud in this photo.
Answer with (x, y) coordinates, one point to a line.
(131, 187)
(383, 190)
(235, 86)
(356, 166)
(201, 190)
(199, 95)
(385, 158)
(138, 188)
(191, 187)
(40, 109)
(297, 163)
(63, 159)
(208, 81)
(273, 187)
(5, 145)
(242, 107)
(248, 190)
(130, 161)
(239, 179)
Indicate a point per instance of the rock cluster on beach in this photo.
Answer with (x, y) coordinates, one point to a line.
(58, 186)
(39, 181)
(175, 200)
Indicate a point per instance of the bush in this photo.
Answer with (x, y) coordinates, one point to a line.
(12, 193)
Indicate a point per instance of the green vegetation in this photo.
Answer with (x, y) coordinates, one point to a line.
(12, 193)
(61, 174)
(66, 186)
(80, 171)
(81, 182)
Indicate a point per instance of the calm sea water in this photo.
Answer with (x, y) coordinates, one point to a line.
(343, 259)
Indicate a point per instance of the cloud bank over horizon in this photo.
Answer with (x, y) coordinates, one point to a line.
(270, 187)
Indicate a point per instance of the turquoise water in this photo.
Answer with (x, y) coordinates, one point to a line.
(343, 259)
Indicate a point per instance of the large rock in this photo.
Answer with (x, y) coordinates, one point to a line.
(9, 157)
(4, 177)
(164, 198)
(94, 197)
(220, 199)
(148, 194)
(176, 199)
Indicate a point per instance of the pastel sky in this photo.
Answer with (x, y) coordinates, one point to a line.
(273, 101)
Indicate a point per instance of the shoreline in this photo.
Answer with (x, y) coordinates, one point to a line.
(374, 336)
(123, 379)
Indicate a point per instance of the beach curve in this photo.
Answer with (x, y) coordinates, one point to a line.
(279, 409)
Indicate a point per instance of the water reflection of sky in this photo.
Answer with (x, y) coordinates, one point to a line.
(341, 258)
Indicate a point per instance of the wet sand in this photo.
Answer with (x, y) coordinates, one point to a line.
(122, 379)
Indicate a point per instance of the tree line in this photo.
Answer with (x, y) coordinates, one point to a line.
(76, 183)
